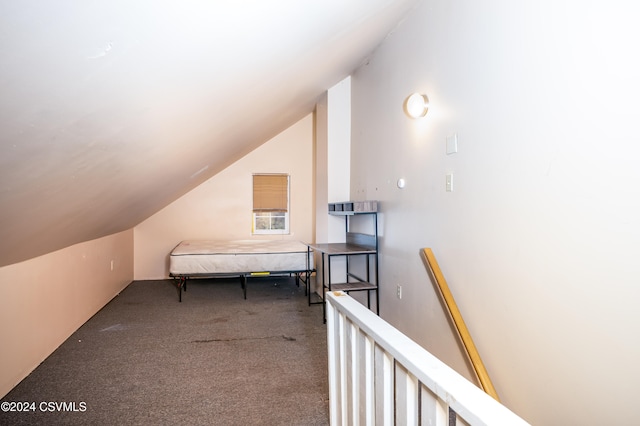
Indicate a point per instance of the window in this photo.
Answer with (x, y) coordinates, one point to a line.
(270, 204)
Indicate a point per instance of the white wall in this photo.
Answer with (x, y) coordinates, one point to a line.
(220, 208)
(339, 141)
(332, 156)
(539, 239)
(45, 299)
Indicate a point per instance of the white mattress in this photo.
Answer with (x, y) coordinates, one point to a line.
(238, 257)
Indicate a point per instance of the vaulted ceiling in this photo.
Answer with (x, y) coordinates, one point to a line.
(110, 110)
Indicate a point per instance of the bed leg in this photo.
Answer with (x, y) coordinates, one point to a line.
(305, 280)
(182, 284)
(243, 283)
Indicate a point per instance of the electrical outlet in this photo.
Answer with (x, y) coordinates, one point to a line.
(399, 291)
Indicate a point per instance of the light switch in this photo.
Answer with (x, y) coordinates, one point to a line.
(449, 184)
(452, 144)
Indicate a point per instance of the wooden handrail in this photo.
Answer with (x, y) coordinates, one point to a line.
(463, 332)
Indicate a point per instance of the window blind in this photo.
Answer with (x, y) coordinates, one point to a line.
(270, 193)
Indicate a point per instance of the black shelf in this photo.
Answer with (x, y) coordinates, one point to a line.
(357, 244)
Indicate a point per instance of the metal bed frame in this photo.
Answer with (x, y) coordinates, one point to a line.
(300, 275)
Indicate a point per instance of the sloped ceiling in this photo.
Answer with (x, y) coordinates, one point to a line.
(110, 110)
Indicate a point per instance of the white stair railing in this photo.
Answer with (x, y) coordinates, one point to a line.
(378, 376)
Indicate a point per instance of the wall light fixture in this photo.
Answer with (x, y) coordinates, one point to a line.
(416, 105)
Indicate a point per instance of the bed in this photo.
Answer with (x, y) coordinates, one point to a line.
(240, 258)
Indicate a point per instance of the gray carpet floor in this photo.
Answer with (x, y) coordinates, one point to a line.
(214, 359)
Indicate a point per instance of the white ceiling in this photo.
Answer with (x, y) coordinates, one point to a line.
(110, 110)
